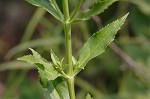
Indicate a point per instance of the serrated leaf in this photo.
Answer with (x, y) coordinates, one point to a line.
(88, 96)
(54, 58)
(29, 58)
(48, 6)
(45, 68)
(56, 89)
(97, 8)
(97, 44)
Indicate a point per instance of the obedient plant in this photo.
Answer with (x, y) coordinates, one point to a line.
(57, 78)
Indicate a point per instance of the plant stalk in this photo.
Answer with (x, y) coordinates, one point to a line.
(70, 83)
(66, 10)
(67, 30)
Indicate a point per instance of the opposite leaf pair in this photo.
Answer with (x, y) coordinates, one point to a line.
(53, 77)
(52, 7)
(95, 46)
(54, 86)
(50, 73)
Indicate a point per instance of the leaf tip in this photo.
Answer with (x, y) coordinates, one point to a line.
(19, 58)
(125, 16)
(88, 96)
(33, 51)
(30, 49)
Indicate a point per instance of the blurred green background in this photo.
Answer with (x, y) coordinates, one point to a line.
(122, 72)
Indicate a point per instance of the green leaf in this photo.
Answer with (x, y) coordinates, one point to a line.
(62, 88)
(88, 96)
(97, 44)
(55, 59)
(97, 8)
(45, 68)
(47, 5)
(56, 89)
(28, 58)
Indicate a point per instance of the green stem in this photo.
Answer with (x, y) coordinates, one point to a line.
(76, 10)
(67, 30)
(66, 10)
(70, 83)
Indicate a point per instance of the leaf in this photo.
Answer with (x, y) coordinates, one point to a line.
(97, 8)
(29, 58)
(97, 44)
(88, 96)
(62, 88)
(47, 5)
(45, 68)
(55, 59)
(56, 89)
